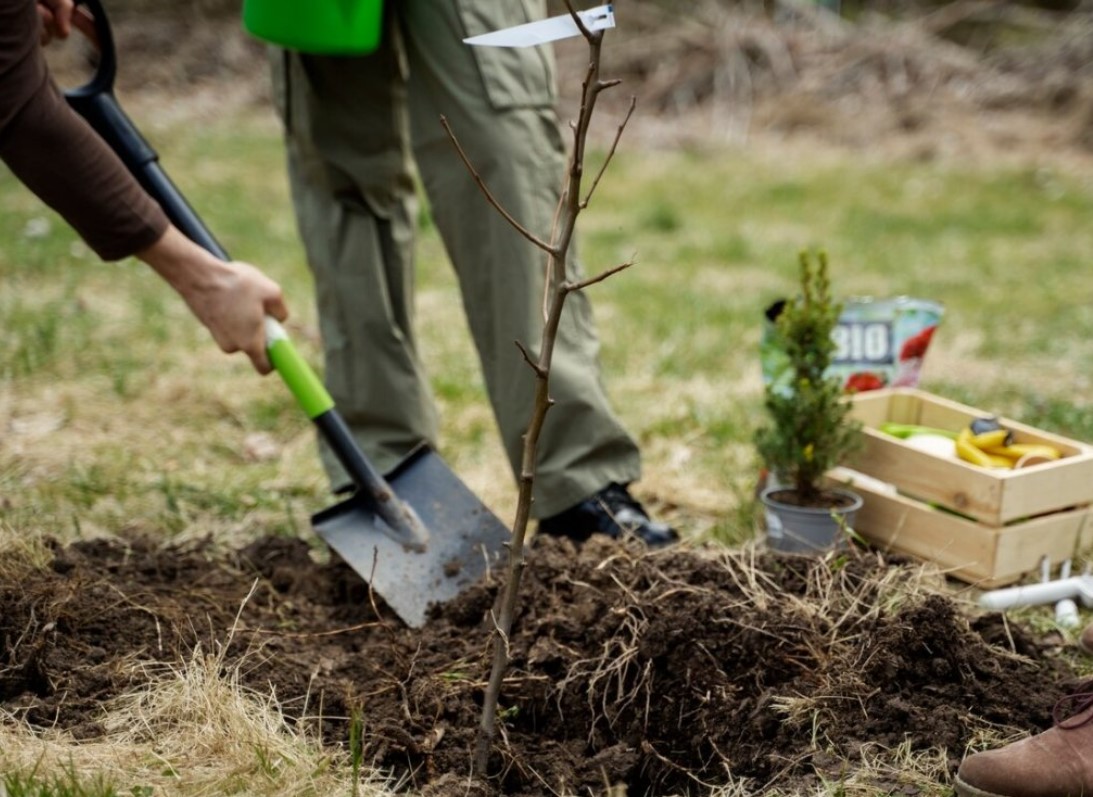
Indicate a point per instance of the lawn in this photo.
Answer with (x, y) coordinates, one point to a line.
(118, 415)
(118, 409)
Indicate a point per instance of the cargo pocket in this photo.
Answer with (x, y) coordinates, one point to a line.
(515, 77)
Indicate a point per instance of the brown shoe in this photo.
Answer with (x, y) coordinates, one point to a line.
(1055, 763)
(1085, 639)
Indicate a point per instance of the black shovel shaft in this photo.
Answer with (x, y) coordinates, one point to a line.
(96, 103)
(103, 113)
(381, 497)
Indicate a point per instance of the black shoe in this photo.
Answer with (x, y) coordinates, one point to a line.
(611, 511)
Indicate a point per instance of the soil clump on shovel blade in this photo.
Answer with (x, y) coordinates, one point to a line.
(661, 671)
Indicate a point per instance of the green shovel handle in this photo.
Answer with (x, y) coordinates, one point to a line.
(314, 399)
(298, 376)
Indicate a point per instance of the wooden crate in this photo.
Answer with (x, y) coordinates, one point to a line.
(1001, 523)
(993, 496)
(987, 556)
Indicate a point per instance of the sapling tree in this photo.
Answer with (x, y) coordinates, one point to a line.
(559, 284)
(810, 428)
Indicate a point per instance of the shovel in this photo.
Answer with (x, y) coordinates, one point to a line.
(418, 536)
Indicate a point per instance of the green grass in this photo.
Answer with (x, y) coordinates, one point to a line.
(66, 782)
(146, 422)
(1005, 250)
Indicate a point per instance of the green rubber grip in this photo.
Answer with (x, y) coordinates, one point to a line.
(301, 380)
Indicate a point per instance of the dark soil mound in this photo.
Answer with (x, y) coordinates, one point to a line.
(661, 672)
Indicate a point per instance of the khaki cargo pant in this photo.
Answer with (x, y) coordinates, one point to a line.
(355, 127)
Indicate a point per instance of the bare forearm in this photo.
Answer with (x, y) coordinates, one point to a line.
(230, 298)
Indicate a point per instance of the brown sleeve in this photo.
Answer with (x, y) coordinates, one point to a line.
(58, 156)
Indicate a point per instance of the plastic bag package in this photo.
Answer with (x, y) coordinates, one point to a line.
(878, 343)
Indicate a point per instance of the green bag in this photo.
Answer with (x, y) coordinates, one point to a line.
(328, 27)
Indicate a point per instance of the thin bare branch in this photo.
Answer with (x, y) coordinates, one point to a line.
(529, 359)
(539, 242)
(569, 287)
(610, 152)
(314, 634)
(580, 22)
(553, 263)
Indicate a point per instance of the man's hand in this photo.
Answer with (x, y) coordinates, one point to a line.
(230, 299)
(56, 16)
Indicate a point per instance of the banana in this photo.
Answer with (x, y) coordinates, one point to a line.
(1017, 450)
(994, 447)
(969, 452)
(992, 439)
(989, 448)
(1000, 462)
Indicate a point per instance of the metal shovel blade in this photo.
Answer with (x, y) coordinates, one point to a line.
(466, 540)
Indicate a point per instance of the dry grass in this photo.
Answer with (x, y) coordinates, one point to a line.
(21, 553)
(832, 617)
(192, 729)
(878, 771)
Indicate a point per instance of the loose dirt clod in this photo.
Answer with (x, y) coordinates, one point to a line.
(658, 672)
